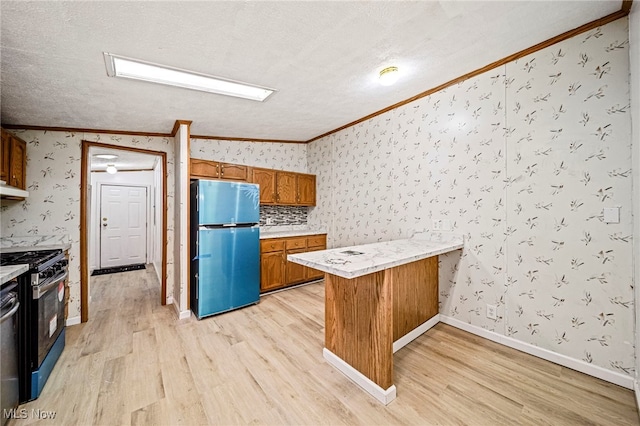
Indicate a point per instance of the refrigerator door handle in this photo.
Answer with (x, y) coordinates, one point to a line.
(197, 286)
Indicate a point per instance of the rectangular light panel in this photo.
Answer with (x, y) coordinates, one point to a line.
(120, 66)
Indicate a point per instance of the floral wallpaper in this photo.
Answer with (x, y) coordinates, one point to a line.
(53, 182)
(270, 155)
(521, 159)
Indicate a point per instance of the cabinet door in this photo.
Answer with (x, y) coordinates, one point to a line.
(313, 274)
(18, 163)
(205, 168)
(233, 172)
(306, 190)
(316, 242)
(295, 273)
(272, 272)
(6, 147)
(286, 193)
(267, 180)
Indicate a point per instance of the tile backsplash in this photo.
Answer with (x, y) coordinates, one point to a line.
(283, 215)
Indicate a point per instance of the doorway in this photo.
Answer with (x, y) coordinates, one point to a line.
(127, 187)
(122, 224)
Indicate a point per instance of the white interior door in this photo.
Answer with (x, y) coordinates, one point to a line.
(123, 225)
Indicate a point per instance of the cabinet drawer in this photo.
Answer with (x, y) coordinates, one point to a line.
(267, 246)
(296, 243)
(317, 241)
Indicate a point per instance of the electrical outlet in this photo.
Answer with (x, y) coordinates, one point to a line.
(437, 225)
(492, 311)
(269, 221)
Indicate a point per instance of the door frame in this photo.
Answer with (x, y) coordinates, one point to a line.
(98, 228)
(85, 176)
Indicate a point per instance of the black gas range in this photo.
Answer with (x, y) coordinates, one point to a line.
(41, 317)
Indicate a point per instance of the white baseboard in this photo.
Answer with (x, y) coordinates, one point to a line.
(415, 333)
(181, 314)
(575, 364)
(383, 395)
(72, 321)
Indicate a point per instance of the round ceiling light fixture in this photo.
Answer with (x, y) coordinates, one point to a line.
(388, 76)
(111, 169)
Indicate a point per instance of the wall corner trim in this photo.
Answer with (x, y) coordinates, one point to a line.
(575, 364)
(177, 124)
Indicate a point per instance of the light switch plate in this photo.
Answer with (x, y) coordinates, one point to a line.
(611, 214)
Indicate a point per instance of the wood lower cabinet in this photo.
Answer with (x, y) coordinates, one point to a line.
(276, 272)
(14, 160)
(272, 270)
(294, 272)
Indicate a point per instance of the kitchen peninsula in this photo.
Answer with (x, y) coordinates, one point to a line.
(378, 298)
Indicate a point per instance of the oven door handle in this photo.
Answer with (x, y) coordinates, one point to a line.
(39, 291)
(14, 308)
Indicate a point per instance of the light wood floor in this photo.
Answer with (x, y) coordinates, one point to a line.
(135, 363)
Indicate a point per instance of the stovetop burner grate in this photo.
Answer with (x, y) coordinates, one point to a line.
(33, 258)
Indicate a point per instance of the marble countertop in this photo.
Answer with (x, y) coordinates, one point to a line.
(288, 231)
(356, 261)
(11, 271)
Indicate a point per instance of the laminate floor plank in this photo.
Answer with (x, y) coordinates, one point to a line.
(135, 363)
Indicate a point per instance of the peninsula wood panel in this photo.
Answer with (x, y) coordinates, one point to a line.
(415, 294)
(358, 324)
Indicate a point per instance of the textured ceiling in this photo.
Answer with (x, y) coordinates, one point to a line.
(321, 56)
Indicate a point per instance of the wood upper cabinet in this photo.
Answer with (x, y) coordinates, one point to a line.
(286, 188)
(306, 186)
(204, 168)
(266, 178)
(234, 172)
(6, 146)
(276, 187)
(14, 160)
(208, 169)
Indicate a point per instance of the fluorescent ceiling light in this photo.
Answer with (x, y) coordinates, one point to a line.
(120, 66)
(106, 156)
